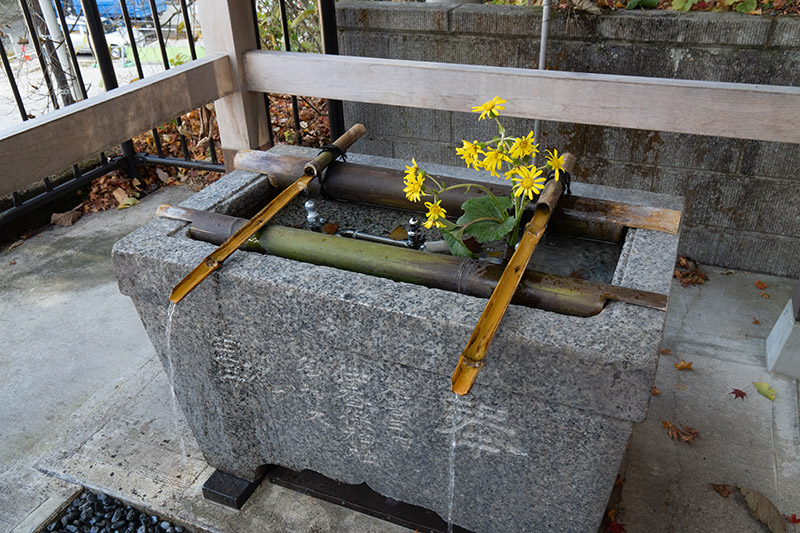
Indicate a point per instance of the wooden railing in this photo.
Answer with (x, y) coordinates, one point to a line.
(759, 112)
(48, 144)
(235, 73)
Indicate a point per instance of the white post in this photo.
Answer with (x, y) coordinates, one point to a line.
(228, 28)
(59, 44)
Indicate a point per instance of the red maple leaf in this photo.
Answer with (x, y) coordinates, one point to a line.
(614, 527)
(738, 394)
(794, 520)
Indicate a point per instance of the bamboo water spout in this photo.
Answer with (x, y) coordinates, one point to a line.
(311, 170)
(472, 358)
(550, 292)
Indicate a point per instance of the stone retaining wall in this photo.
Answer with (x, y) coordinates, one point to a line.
(742, 197)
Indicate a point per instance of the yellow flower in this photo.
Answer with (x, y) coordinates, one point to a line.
(555, 161)
(411, 172)
(435, 212)
(528, 183)
(490, 109)
(413, 188)
(524, 146)
(493, 160)
(469, 153)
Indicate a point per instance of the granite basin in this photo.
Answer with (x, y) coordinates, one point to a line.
(277, 362)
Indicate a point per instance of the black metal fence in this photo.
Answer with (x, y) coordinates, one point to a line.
(142, 27)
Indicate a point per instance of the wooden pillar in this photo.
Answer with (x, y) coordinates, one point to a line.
(228, 28)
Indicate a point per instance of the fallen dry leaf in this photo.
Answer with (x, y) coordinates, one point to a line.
(12, 263)
(764, 295)
(65, 219)
(764, 510)
(760, 285)
(666, 351)
(688, 272)
(130, 201)
(16, 243)
(794, 520)
(399, 233)
(330, 228)
(756, 322)
(683, 365)
(728, 272)
(614, 527)
(722, 489)
(738, 394)
(655, 391)
(119, 195)
(685, 434)
(765, 390)
(162, 175)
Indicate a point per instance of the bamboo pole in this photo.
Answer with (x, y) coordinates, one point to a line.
(472, 358)
(463, 275)
(215, 259)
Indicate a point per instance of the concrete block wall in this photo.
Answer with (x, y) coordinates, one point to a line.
(742, 197)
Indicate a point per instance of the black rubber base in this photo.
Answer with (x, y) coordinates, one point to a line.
(228, 490)
(360, 498)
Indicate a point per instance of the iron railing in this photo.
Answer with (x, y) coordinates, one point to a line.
(55, 74)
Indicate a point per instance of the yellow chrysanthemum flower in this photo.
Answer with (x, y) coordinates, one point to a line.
(411, 172)
(490, 109)
(555, 161)
(529, 182)
(493, 160)
(469, 152)
(413, 188)
(435, 212)
(524, 146)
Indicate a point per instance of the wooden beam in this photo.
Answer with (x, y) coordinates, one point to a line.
(745, 111)
(48, 144)
(228, 28)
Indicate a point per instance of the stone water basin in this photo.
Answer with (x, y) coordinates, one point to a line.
(278, 362)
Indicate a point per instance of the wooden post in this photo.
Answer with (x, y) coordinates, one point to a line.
(227, 27)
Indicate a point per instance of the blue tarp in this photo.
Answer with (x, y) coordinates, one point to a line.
(137, 9)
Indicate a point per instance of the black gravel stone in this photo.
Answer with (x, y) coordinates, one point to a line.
(99, 513)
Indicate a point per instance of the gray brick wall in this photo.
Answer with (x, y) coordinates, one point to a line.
(743, 197)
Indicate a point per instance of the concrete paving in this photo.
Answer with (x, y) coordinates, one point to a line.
(85, 402)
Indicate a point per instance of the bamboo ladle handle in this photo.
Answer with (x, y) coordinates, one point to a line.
(471, 360)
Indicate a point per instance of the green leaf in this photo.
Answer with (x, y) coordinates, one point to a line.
(457, 247)
(490, 230)
(498, 223)
(681, 5)
(632, 4)
(649, 3)
(485, 206)
(765, 389)
(746, 6)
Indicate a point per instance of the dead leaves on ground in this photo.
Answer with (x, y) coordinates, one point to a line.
(737, 393)
(760, 285)
(683, 433)
(612, 526)
(65, 219)
(313, 115)
(688, 272)
(765, 390)
(683, 365)
(761, 508)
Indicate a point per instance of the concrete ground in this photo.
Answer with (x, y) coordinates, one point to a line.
(84, 401)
